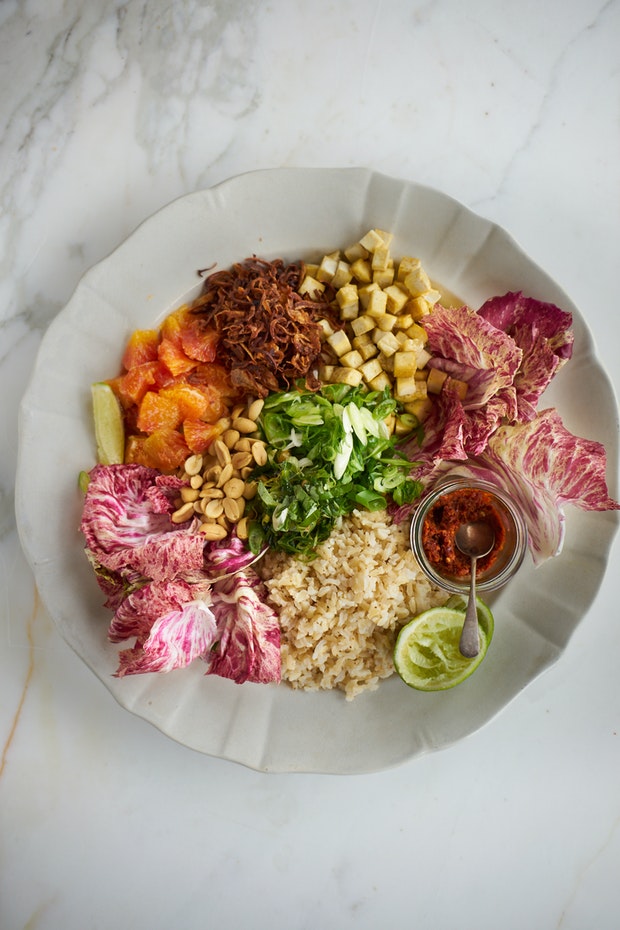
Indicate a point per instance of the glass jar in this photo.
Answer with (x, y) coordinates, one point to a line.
(512, 537)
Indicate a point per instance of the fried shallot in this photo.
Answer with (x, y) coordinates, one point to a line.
(269, 332)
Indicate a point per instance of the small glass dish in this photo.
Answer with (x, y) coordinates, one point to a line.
(512, 537)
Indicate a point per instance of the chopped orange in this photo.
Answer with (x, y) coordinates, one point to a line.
(165, 449)
(158, 410)
(199, 435)
(141, 347)
(173, 356)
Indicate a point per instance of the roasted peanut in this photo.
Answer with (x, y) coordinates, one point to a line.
(189, 495)
(193, 465)
(230, 437)
(255, 409)
(234, 487)
(183, 513)
(244, 425)
(213, 531)
(214, 508)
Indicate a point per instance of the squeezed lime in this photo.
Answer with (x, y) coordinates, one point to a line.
(427, 655)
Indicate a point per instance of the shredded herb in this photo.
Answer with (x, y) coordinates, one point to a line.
(330, 452)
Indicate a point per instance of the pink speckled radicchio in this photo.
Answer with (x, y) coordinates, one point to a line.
(248, 647)
(543, 466)
(159, 584)
(508, 353)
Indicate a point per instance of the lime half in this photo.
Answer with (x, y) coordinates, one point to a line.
(109, 425)
(427, 655)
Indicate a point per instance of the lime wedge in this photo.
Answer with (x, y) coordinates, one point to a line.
(427, 656)
(109, 425)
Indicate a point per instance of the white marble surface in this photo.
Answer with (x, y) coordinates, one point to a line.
(108, 110)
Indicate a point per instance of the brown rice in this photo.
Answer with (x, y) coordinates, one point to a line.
(340, 614)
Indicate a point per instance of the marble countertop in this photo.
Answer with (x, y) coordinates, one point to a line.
(110, 110)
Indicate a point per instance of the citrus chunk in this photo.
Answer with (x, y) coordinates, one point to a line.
(427, 655)
(109, 425)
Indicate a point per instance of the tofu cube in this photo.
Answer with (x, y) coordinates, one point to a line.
(415, 331)
(417, 282)
(362, 324)
(406, 388)
(435, 380)
(339, 342)
(342, 275)
(311, 286)
(326, 372)
(355, 252)
(372, 240)
(423, 358)
(348, 301)
(418, 308)
(371, 369)
(397, 297)
(351, 359)
(326, 328)
(381, 382)
(368, 350)
(365, 292)
(405, 364)
(350, 376)
(327, 269)
(406, 265)
(380, 258)
(383, 278)
(388, 344)
(377, 303)
(386, 322)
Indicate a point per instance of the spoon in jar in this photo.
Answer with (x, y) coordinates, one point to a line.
(474, 540)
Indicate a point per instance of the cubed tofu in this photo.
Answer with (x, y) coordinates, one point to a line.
(327, 269)
(424, 356)
(415, 331)
(348, 301)
(386, 322)
(355, 252)
(377, 302)
(339, 342)
(326, 328)
(406, 388)
(380, 258)
(435, 380)
(311, 286)
(361, 270)
(383, 278)
(365, 293)
(351, 359)
(388, 344)
(420, 408)
(362, 340)
(397, 297)
(461, 387)
(362, 324)
(418, 308)
(381, 382)
(406, 265)
(371, 369)
(405, 364)
(417, 282)
(368, 350)
(326, 372)
(372, 240)
(431, 296)
(350, 376)
(342, 275)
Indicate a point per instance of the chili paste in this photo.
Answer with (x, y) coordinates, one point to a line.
(464, 505)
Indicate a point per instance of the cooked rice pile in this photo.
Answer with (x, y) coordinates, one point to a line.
(340, 614)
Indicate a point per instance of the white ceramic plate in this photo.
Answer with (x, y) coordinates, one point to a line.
(294, 213)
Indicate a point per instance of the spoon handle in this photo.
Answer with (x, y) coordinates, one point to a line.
(469, 644)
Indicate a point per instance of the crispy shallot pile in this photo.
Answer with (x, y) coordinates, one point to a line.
(269, 332)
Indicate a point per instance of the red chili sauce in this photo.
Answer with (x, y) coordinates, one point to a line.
(464, 505)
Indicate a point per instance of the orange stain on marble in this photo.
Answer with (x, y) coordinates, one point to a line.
(29, 671)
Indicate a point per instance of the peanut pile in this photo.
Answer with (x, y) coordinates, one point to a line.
(217, 485)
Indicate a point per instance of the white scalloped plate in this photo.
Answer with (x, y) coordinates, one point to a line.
(295, 213)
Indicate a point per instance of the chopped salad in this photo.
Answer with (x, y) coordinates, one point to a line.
(285, 397)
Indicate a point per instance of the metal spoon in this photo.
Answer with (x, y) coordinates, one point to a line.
(474, 540)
